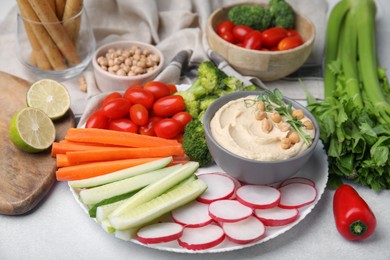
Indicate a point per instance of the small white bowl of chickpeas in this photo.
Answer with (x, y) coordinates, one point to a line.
(118, 65)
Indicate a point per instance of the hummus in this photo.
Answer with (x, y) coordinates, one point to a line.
(236, 128)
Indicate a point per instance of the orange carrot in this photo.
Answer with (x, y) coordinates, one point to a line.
(103, 136)
(123, 153)
(62, 160)
(64, 147)
(89, 170)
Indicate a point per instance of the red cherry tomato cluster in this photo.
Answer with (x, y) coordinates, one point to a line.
(272, 39)
(148, 110)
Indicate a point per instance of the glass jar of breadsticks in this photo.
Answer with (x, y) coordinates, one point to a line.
(54, 37)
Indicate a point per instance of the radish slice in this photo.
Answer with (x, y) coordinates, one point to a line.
(244, 231)
(218, 187)
(277, 216)
(299, 180)
(193, 214)
(237, 183)
(229, 211)
(296, 195)
(159, 233)
(258, 196)
(202, 237)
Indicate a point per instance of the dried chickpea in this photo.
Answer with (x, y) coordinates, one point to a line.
(276, 117)
(260, 106)
(308, 124)
(294, 137)
(285, 143)
(284, 126)
(121, 72)
(260, 115)
(266, 125)
(297, 113)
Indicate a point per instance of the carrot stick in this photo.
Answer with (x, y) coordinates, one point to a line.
(123, 153)
(89, 170)
(62, 160)
(126, 139)
(63, 148)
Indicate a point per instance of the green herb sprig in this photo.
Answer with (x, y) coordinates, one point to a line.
(274, 101)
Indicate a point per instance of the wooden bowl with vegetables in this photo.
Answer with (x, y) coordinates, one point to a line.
(118, 65)
(270, 47)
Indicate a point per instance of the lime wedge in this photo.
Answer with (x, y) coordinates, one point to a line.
(50, 96)
(31, 130)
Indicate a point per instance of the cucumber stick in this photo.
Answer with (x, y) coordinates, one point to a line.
(104, 210)
(121, 174)
(157, 188)
(158, 206)
(95, 195)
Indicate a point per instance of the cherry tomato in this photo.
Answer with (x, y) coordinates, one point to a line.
(168, 106)
(97, 120)
(240, 32)
(123, 125)
(148, 128)
(290, 42)
(172, 88)
(158, 89)
(139, 96)
(253, 40)
(168, 128)
(116, 108)
(111, 96)
(272, 36)
(183, 118)
(228, 36)
(292, 32)
(139, 114)
(225, 26)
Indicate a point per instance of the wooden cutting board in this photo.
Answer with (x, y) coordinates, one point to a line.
(24, 178)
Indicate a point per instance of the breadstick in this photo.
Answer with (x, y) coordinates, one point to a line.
(72, 8)
(52, 4)
(41, 35)
(60, 7)
(56, 30)
(38, 56)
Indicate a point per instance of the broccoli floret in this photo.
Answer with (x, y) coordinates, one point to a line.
(194, 143)
(283, 14)
(208, 81)
(205, 102)
(251, 88)
(253, 16)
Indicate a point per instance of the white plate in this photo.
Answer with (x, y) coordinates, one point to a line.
(316, 169)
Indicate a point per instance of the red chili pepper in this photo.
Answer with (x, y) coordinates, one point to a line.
(354, 218)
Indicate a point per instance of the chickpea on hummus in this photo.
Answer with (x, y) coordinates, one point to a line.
(257, 131)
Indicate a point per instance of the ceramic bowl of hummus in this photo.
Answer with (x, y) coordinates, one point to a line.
(254, 142)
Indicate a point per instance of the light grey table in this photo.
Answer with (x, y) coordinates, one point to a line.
(59, 229)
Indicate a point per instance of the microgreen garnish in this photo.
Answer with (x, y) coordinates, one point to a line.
(274, 101)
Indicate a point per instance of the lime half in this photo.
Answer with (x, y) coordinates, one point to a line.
(50, 96)
(31, 130)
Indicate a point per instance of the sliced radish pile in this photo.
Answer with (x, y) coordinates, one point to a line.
(258, 196)
(299, 180)
(276, 216)
(218, 187)
(244, 231)
(159, 233)
(193, 214)
(229, 211)
(202, 237)
(296, 195)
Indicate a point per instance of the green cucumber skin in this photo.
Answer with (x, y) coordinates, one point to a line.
(102, 210)
(94, 195)
(93, 211)
(158, 206)
(157, 188)
(122, 174)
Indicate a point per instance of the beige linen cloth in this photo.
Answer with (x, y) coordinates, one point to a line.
(176, 28)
